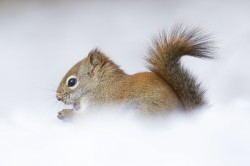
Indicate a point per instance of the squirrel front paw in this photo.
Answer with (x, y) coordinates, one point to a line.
(65, 114)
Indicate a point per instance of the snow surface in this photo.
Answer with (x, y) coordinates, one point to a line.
(41, 40)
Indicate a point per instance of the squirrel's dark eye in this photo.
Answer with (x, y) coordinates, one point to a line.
(72, 82)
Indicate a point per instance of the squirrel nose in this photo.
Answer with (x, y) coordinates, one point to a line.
(58, 98)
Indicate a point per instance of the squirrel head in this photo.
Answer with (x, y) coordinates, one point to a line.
(82, 79)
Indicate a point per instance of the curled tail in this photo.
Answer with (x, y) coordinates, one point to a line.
(164, 59)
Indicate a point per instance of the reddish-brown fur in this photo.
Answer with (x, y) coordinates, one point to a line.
(168, 87)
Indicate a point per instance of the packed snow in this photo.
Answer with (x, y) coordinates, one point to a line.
(41, 40)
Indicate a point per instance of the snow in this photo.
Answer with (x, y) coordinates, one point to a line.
(41, 40)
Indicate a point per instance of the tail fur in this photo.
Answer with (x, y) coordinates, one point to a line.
(164, 59)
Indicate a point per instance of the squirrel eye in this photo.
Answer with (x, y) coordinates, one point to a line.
(72, 82)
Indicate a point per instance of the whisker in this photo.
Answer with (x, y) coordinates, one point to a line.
(47, 89)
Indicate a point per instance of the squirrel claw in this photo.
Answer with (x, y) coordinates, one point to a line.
(65, 115)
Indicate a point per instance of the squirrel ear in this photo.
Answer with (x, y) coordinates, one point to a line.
(95, 57)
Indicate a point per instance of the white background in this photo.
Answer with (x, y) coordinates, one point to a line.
(41, 40)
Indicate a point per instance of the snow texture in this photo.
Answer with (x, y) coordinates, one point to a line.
(41, 40)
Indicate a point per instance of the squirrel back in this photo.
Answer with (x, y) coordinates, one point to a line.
(164, 59)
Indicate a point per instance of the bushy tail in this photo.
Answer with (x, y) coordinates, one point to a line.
(164, 59)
